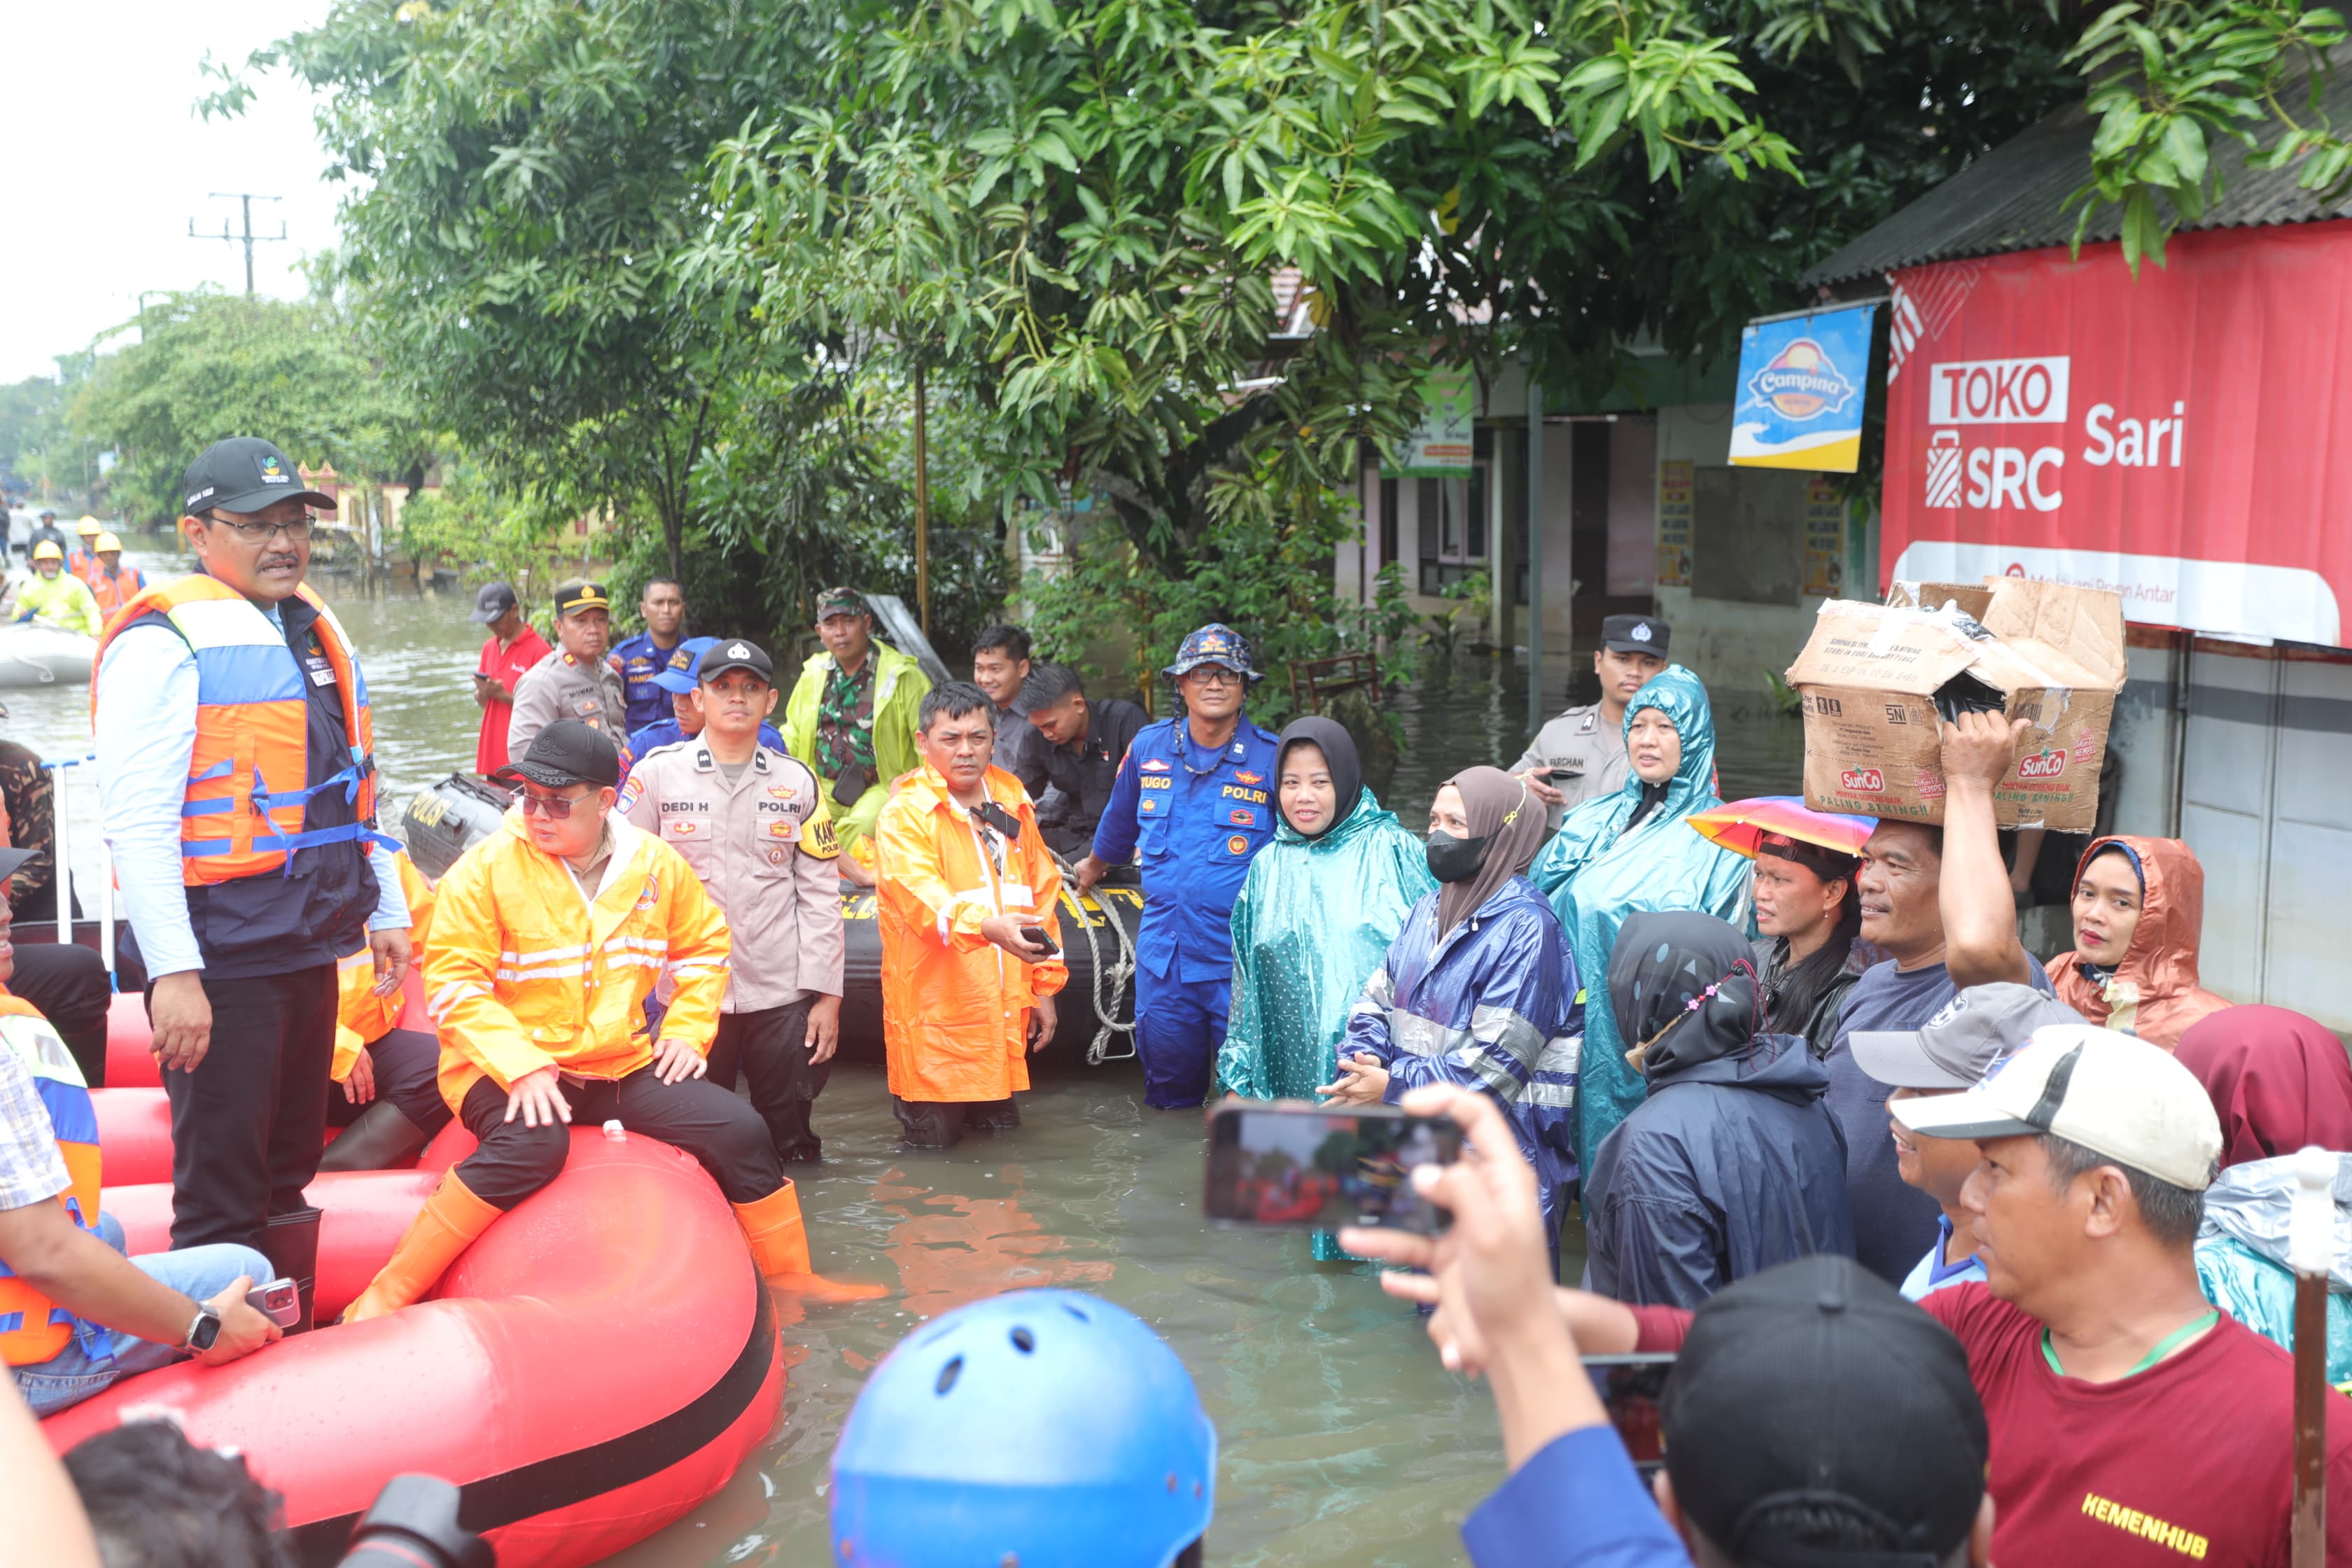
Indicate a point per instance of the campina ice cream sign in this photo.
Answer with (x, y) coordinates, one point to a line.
(2182, 439)
(1800, 391)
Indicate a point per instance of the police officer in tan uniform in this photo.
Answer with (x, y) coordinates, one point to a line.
(1580, 755)
(752, 822)
(578, 679)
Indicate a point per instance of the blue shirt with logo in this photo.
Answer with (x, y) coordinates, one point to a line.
(641, 659)
(1198, 819)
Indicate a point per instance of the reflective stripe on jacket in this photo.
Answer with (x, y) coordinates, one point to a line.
(524, 974)
(764, 848)
(362, 1017)
(32, 1328)
(955, 1007)
(245, 796)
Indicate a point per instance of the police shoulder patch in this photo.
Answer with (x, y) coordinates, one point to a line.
(1237, 845)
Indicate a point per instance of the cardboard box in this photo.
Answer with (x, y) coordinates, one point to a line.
(1872, 677)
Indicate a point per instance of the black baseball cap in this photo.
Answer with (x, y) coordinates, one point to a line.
(1636, 634)
(10, 859)
(246, 473)
(736, 653)
(579, 593)
(1816, 1386)
(566, 754)
(495, 600)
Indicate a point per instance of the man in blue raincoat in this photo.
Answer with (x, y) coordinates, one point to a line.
(1194, 795)
(1631, 853)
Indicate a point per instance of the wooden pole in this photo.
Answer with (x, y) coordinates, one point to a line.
(2310, 1246)
(922, 506)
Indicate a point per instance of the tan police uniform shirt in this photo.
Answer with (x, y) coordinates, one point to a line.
(763, 846)
(1584, 742)
(561, 687)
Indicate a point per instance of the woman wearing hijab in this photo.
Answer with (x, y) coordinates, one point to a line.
(2139, 910)
(1810, 951)
(1319, 910)
(1733, 1162)
(2280, 1082)
(1479, 988)
(1627, 853)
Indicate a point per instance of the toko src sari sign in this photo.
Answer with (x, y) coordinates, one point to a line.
(2183, 439)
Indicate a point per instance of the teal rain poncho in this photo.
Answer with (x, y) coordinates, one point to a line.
(1596, 874)
(1314, 921)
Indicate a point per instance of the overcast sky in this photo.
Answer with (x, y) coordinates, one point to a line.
(108, 162)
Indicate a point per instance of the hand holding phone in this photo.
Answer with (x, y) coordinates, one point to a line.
(277, 1299)
(1036, 936)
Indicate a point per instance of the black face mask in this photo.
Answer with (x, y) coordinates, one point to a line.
(1453, 860)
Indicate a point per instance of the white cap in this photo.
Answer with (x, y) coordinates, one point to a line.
(2115, 1096)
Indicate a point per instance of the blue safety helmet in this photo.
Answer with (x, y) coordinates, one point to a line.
(1215, 643)
(685, 665)
(1044, 1427)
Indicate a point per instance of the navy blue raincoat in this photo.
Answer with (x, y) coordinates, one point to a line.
(1731, 1166)
(1492, 1007)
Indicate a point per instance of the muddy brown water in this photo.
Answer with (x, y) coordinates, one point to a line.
(1342, 1440)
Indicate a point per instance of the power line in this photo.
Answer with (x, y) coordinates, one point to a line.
(248, 237)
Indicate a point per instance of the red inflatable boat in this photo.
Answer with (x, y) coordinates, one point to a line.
(600, 1362)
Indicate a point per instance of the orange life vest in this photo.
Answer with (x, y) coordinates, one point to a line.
(33, 1329)
(113, 592)
(242, 814)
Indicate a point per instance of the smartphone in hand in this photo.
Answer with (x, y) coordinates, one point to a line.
(1036, 937)
(1310, 1167)
(277, 1299)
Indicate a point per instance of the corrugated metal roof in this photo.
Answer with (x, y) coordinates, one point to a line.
(2014, 197)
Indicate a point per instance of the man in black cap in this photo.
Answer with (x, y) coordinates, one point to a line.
(1813, 1418)
(581, 680)
(46, 532)
(1580, 755)
(513, 647)
(236, 785)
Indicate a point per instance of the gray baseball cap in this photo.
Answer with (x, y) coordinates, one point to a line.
(1962, 1043)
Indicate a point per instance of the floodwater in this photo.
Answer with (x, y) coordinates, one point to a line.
(1342, 1440)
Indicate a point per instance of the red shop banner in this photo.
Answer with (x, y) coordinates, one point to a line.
(2183, 438)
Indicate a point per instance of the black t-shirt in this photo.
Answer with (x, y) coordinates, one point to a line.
(1892, 1223)
(1084, 773)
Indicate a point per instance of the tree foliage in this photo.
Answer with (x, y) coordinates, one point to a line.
(207, 365)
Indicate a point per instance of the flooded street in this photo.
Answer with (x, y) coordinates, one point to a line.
(1342, 1440)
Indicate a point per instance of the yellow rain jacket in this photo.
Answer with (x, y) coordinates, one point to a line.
(362, 1017)
(955, 1007)
(523, 973)
(63, 600)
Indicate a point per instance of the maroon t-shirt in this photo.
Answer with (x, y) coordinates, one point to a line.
(2188, 1462)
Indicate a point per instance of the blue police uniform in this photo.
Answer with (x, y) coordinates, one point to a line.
(642, 658)
(1199, 819)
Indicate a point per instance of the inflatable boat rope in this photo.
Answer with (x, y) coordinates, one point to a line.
(1116, 975)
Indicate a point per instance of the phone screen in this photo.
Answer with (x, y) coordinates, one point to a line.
(1317, 1168)
(1631, 1387)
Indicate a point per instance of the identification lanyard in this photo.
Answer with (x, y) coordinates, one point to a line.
(2164, 1347)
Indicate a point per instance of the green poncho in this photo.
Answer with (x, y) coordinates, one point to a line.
(1313, 921)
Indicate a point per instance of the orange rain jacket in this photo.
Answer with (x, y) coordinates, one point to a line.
(523, 973)
(955, 1007)
(362, 1017)
(2153, 993)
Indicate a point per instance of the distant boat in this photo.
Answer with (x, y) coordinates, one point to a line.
(35, 655)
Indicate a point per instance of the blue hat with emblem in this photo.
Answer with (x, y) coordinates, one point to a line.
(685, 665)
(1215, 643)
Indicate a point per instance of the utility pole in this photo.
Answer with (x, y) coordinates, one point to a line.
(248, 237)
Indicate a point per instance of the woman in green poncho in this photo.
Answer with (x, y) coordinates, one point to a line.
(1314, 918)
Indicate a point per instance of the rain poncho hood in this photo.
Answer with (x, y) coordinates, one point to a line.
(1314, 920)
(2153, 993)
(1596, 874)
(1734, 1163)
(2242, 1254)
(1339, 748)
(2279, 1081)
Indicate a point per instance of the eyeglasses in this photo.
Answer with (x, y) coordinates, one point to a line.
(298, 531)
(1207, 677)
(554, 807)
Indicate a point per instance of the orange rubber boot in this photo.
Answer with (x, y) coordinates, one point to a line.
(448, 1225)
(780, 1251)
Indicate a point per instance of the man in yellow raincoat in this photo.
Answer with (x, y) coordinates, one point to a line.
(961, 874)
